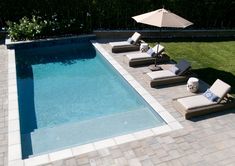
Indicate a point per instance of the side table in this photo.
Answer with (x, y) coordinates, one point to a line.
(193, 84)
(144, 47)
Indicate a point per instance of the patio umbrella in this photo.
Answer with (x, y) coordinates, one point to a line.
(162, 18)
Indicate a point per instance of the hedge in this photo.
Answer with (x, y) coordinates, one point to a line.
(116, 14)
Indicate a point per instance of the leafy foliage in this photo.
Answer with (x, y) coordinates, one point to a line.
(36, 27)
(115, 14)
(26, 29)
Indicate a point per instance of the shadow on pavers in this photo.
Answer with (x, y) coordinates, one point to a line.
(2, 41)
(212, 115)
(209, 75)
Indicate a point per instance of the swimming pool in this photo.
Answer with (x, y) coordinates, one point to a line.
(70, 95)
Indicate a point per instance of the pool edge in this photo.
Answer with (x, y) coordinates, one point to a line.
(14, 140)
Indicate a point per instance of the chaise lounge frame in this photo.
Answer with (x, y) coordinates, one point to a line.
(228, 102)
(147, 61)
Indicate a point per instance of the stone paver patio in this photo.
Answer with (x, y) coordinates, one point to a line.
(3, 105)
(207, 140)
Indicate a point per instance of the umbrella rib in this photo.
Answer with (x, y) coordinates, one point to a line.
(182, 23)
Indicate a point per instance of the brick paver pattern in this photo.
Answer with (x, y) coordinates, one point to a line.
(3, 105)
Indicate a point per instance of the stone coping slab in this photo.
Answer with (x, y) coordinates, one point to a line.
(48, 42)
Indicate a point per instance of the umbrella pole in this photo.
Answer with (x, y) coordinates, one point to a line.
(158, 46)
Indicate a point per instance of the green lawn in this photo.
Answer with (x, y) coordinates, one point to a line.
(210, 60)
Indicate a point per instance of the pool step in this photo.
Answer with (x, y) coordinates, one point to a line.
(70, 134)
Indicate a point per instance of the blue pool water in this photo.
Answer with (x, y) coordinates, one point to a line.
(70, 95)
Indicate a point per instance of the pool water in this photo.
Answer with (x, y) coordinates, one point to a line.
(70, 95)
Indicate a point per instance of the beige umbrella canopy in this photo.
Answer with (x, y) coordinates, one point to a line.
(162, 18)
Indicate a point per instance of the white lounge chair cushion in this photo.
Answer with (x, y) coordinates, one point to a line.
(220, 89)
(138, 56)
(195, 102)
(150, 51)
(135, 37)
(158, 49)
(160, 74)
(121, 43)
(129, 40)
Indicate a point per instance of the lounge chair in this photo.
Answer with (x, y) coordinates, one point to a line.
(144, 58)
(177, 73)
(200, 104)
(132, 44)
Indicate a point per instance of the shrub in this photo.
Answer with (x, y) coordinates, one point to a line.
(26, 29)
(37, 27)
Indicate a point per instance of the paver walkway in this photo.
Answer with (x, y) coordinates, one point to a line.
(3, 105)
(209, 140)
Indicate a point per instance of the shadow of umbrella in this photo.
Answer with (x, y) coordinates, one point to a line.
(209, 75)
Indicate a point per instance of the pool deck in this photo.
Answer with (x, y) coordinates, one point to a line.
(207, 140)
(3, 105)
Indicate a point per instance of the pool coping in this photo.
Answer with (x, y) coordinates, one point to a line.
(14, 139)
(48, 42)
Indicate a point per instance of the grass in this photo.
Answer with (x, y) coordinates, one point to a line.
(210, 60)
